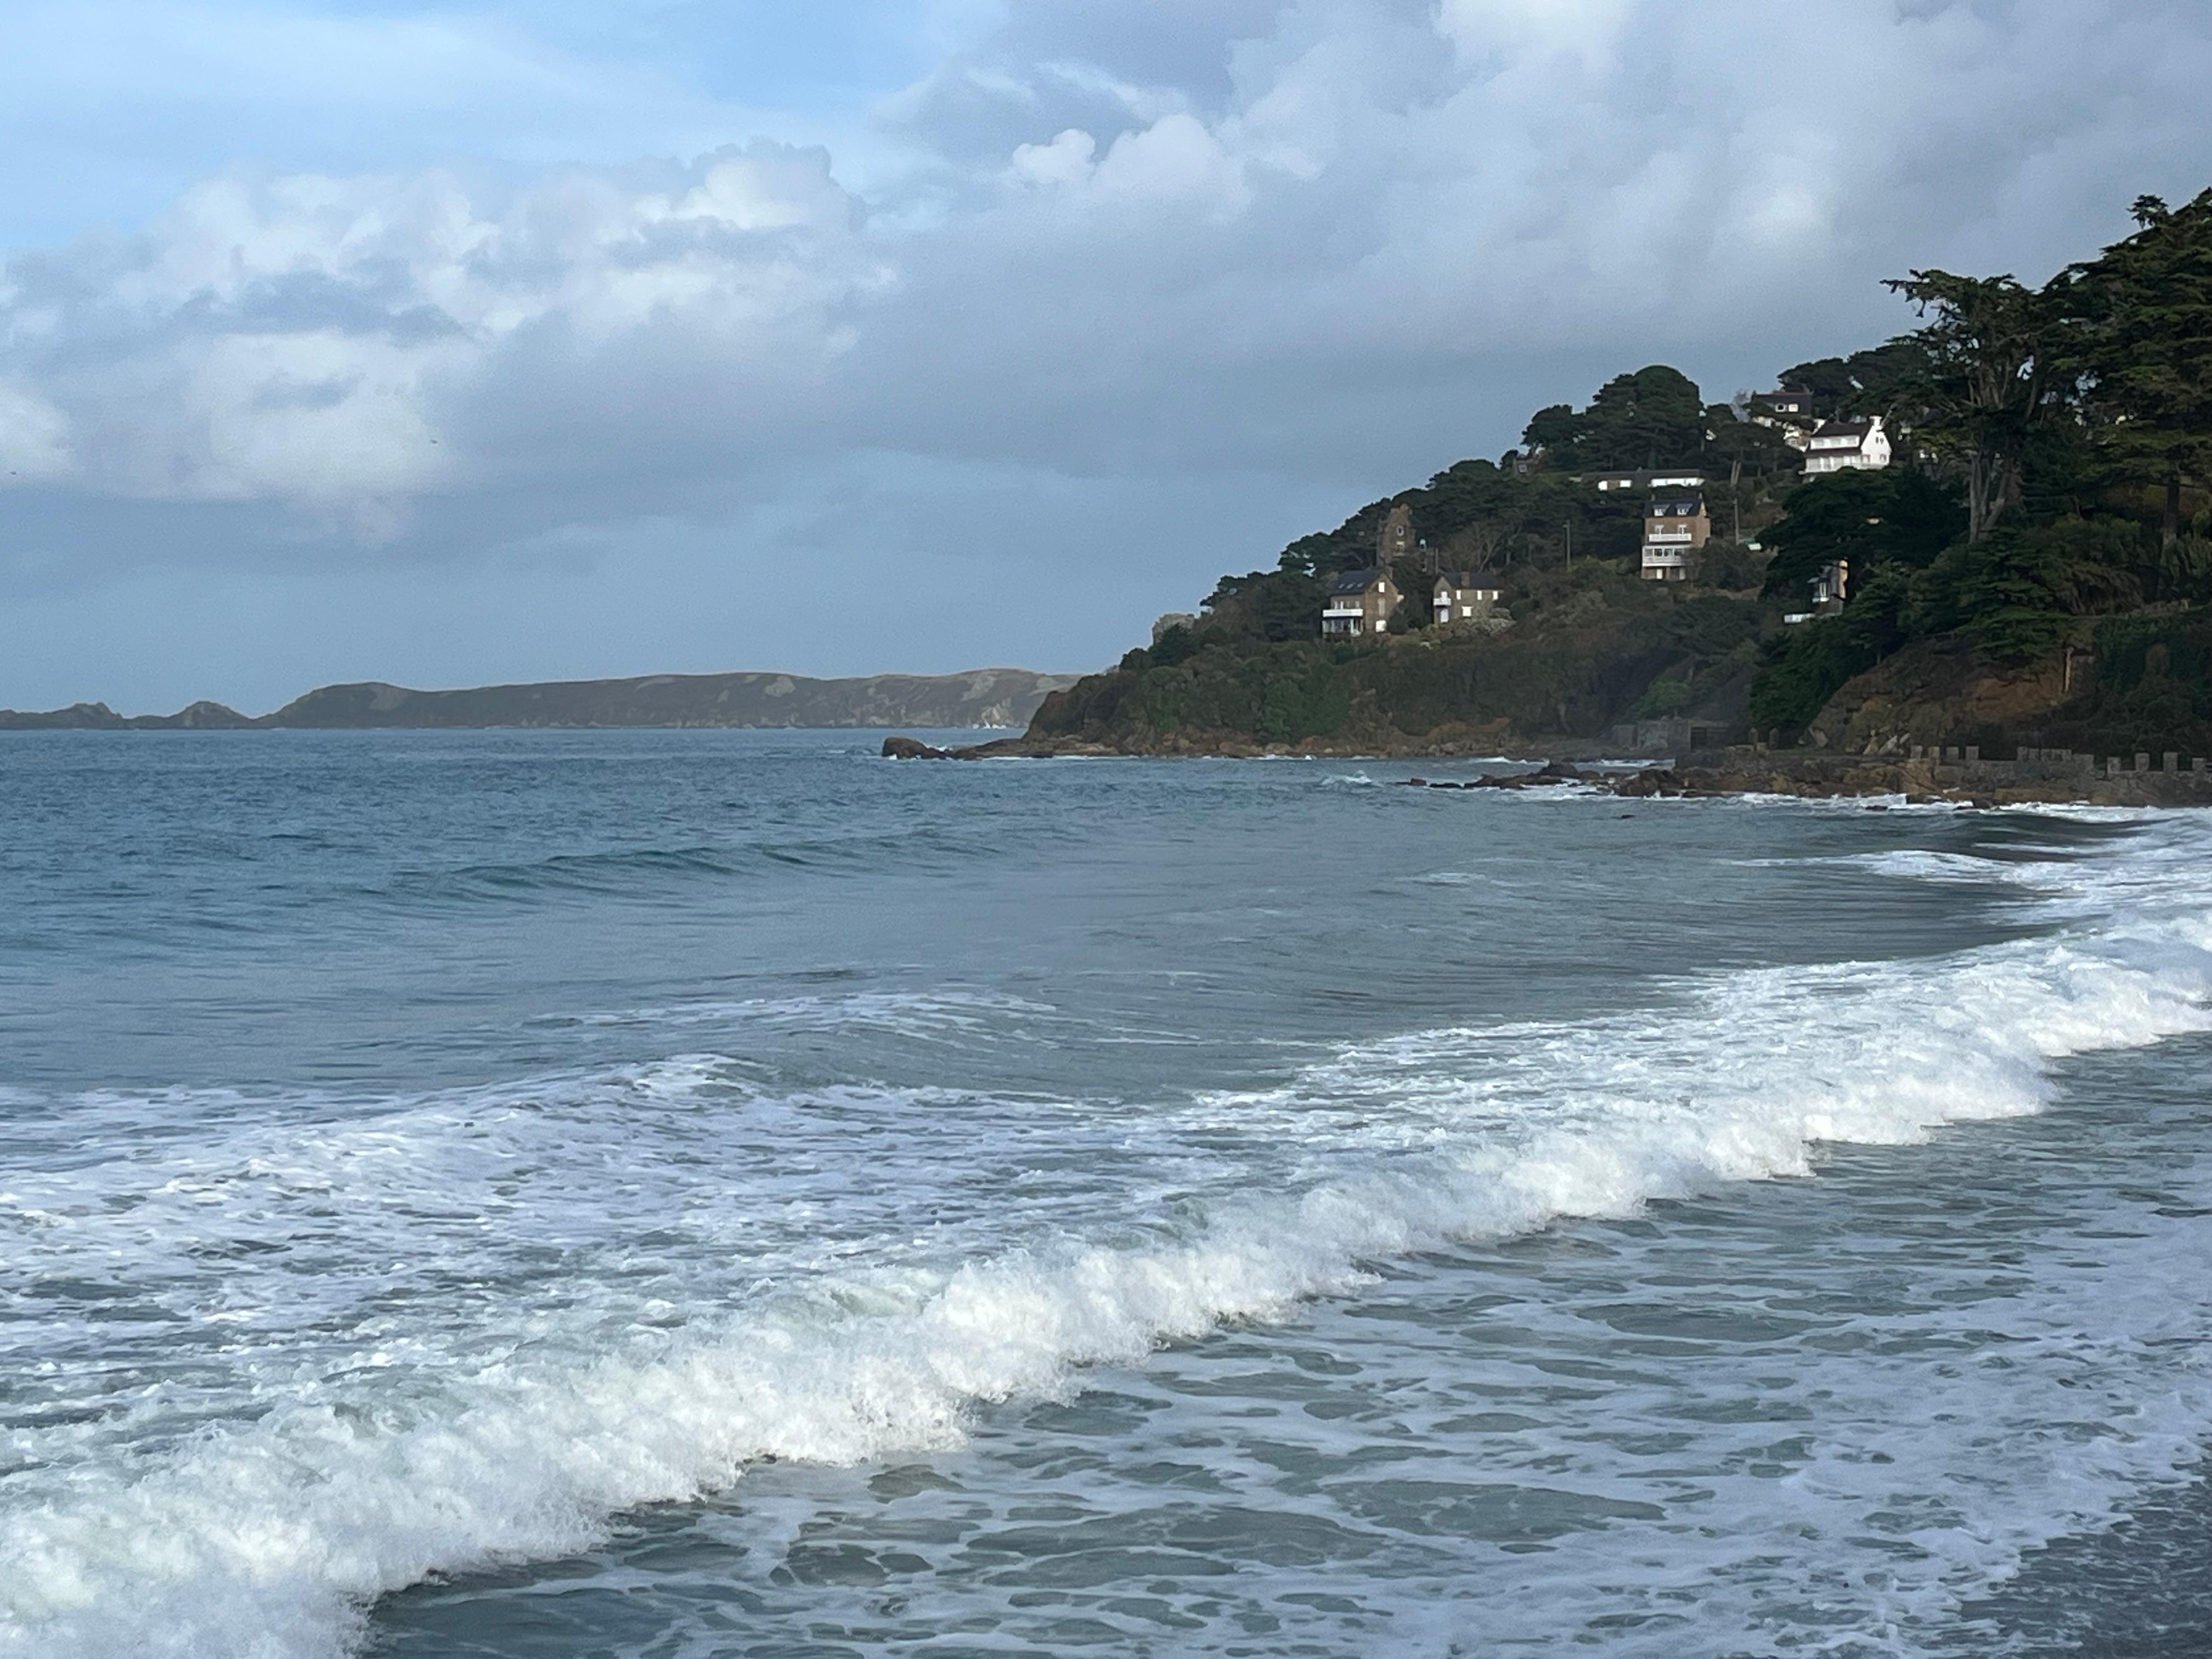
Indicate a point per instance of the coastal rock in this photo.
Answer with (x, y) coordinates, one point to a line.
(910, 749)
(1653, 781)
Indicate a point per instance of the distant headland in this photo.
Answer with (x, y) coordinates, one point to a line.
(979, 697)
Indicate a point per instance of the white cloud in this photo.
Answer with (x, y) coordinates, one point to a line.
(1066, 160)
(330, 343)
(1177, 160)
(1275, 238)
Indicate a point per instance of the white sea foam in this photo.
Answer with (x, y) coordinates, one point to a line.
(364, 1466)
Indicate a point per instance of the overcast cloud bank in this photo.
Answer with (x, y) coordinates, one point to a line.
(1115, 303)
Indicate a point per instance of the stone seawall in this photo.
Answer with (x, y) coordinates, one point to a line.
(1959, 774)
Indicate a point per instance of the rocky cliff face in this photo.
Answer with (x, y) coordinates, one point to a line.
(2120, 685)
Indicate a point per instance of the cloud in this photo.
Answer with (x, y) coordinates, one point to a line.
(358, 344)
(34, 446)
(1338, 238)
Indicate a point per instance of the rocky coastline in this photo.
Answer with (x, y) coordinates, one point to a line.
(1926, 777)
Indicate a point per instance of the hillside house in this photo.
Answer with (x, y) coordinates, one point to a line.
(1837, 445)
(1675, 527)
(1359, 606)
(1647, 479)
(1830, 588)
(1788, 413)
(1463, 595)
(1771, 408)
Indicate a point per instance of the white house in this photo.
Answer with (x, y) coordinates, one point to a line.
(1463, 595)
(1837, 444)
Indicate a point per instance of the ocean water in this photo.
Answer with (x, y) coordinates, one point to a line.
(716, 1193)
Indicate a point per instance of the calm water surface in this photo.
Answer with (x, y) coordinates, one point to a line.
(719, 1193)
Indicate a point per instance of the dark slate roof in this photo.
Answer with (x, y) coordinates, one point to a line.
(1470, 579)
(1351, 582)
(1858, 426)
(1675, 507)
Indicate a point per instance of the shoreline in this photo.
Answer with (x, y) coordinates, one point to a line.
(2037, 779)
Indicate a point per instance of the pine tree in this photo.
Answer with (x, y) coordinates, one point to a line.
(2136, 333)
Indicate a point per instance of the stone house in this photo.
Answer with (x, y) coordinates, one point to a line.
(1359, 604)
(1463, 595)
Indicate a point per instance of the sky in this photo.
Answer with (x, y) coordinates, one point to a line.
(457, 344)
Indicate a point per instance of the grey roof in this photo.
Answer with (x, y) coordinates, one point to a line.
(1675, 507)
(1858, 427)
(1470, 579)
(1353, 581)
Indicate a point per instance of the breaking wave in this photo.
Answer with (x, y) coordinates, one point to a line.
(267, 1533)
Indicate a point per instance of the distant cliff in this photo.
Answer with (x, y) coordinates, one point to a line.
(98, 717)
(983, 696)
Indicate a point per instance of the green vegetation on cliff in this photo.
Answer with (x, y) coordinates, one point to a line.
(2046, 506)
(2052, 504)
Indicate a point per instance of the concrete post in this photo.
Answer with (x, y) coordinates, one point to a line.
(1973, 754)
(2169, 762)
(2111, 766)
(2142, 761)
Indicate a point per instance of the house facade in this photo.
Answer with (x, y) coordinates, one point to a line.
(1837, 445)
(1359, 606)
(1464, 595)
(1832, 588)
(1675, 527)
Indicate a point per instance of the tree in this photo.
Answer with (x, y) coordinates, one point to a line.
(1984, 382)
(1870, 519)
(1555, 430)
(1654, 417)
(1829, 380)
(2136, 332)
(1481, 546)
(1745, 446)
(1866, 382)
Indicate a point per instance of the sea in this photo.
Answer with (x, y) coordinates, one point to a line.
(689, 1193)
